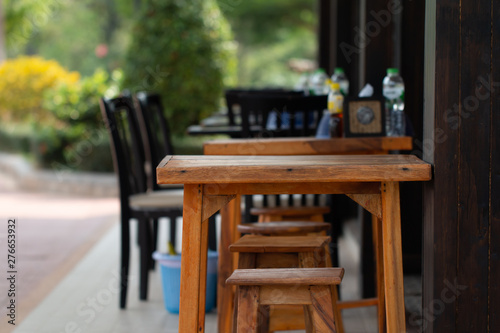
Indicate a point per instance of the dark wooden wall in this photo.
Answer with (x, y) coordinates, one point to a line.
(461, 270)
(456, 84)
(391, 34)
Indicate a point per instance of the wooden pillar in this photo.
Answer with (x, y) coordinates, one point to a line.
(327, 39)
(461, 134)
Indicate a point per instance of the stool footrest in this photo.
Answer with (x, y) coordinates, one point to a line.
(283, 227)
(291, 211)
(265, 244)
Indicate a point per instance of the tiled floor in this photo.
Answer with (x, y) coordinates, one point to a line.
(86, 300)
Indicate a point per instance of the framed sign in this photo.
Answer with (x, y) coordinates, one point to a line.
(364, 116)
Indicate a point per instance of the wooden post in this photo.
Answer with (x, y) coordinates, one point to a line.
(461, 204)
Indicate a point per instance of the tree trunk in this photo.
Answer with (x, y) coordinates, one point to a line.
(3, 50)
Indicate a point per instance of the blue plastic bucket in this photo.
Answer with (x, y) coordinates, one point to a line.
(171, 280)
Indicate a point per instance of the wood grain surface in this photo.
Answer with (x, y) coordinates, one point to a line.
(306, 146)
(286, 276)
(202, 169)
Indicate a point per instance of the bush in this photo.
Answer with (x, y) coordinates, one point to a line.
(182, 50)
(82, 142)
(23, 83)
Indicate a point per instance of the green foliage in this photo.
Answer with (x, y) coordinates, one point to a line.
(24, 81)
(23, 18)
(182, 50)
(15, 138)
(78, 104)
(263, 21)
(81, 142)
(79, 28)
(269, 35)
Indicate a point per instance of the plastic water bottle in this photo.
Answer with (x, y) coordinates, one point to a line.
(394, 91)
(335, 108)
(303, 83)
(318, 83)
(340, 78)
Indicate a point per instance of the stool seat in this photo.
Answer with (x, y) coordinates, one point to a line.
(283, 228)
(320, 276)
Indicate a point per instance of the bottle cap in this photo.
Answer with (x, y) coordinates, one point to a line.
(334, 85)
(392, 71)
(338, 70)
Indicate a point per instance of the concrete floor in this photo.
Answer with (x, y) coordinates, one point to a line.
(72, 287)
(86, 299)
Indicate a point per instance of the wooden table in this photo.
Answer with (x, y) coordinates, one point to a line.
(301, 146)
(307, 146)
(211, 182)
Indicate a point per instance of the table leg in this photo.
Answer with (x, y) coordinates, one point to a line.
(194, 262)
(230, 218)
(379, 268)
(393, 258)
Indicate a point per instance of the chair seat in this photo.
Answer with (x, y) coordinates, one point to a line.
(157, 199)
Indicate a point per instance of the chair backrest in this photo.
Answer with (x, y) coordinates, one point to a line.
(126, 144)
(280, 115)
(156, 132)
(233, 104)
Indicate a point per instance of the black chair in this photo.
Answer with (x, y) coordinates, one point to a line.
(233, 104)
(135, 199)
(156, 135)
(295, 114)
(157, 143)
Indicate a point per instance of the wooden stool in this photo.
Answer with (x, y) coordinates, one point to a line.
(310, 287)
(284, 228)
(285, 252)
(311, 228)
(269, 214)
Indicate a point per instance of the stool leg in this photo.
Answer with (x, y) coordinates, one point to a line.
(322, 306)
(308, 317)
(335, 297)
(245, 260)
(248, 306)
(336, 311)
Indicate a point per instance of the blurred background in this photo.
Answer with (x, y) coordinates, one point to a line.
(58, 57)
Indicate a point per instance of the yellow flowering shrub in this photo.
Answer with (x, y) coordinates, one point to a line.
(23, 83)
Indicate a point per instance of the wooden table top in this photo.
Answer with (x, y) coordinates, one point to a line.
(207, 169)
(306, 146)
